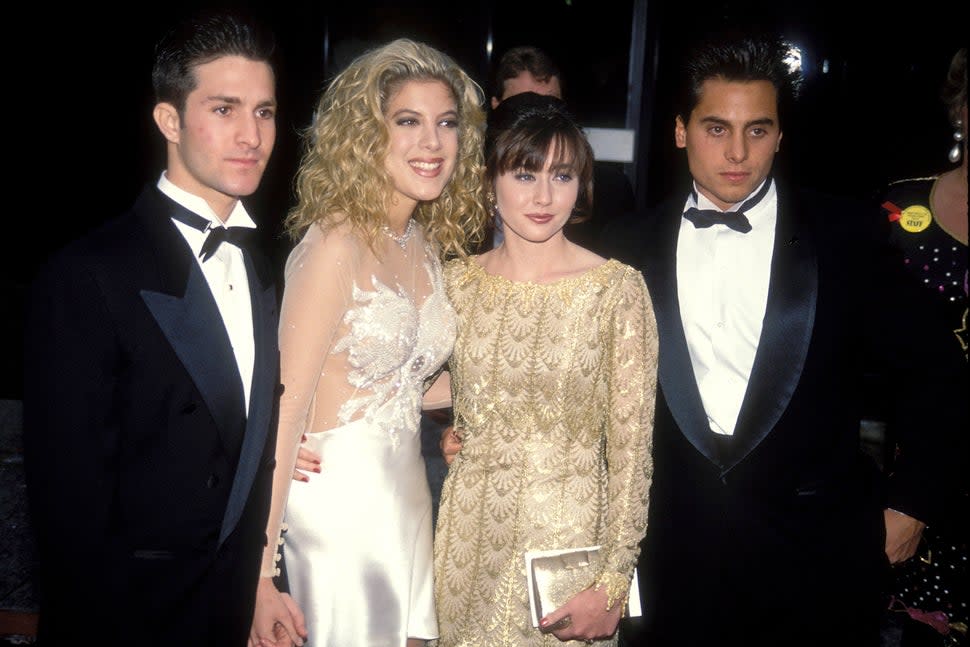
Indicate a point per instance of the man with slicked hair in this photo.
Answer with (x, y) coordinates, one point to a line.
(152, 373)
(768, 524)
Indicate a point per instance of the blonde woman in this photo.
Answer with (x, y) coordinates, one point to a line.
(390, 183)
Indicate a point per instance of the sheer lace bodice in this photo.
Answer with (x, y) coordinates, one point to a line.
(359, 336)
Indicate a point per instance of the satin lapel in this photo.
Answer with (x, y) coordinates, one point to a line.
(675, 372)
(188, 316)
(262, 294)
(189, 325)
(785, 335)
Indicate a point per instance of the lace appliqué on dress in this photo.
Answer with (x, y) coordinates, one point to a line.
(392, 345)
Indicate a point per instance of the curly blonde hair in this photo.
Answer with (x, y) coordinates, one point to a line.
(342, 176)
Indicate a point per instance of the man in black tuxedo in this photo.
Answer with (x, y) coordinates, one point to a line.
(768, 525)
(152, 374)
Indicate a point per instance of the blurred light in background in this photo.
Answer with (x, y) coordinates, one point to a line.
(794, 58)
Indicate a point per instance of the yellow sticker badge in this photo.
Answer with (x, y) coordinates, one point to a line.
(915, 219)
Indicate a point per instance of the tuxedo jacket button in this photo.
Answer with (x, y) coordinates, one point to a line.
(212, 481)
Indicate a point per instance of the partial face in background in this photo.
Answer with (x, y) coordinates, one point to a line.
(731, 138)
(220, 145)
(525, 82)
(535, 205)
(422, 148)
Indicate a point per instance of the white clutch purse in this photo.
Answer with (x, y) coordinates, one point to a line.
(554, 576)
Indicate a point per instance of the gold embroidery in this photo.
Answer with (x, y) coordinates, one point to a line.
(553, 389)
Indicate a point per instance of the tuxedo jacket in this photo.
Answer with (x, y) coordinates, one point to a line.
(148, 480)
(778, 530)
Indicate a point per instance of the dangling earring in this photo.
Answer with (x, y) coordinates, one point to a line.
(492, 204)
(955, 152)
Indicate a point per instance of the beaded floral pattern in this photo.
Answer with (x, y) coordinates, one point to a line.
(553, 395)
(392, 346)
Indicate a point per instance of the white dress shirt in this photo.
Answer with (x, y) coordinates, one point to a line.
(722, 285)
(225, 272)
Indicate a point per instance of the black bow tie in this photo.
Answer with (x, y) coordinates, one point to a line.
(736, 220)
(704, 218)
(239, 236)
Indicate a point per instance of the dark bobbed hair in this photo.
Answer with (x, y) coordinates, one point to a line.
(738, 56)
(954, 91)
(200, 39)
(519, 135)
(524, 58)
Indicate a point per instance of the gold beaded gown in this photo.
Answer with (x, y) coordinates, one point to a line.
(553, 391)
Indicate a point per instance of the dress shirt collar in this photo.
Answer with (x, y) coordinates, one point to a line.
(762, 213)
(238, 217)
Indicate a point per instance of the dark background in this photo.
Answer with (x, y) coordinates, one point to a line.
(82, 142)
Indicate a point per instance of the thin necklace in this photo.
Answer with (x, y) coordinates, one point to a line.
(402, 240)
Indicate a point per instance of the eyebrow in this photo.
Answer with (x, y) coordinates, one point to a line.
(763, 121)
(221, 98)
(236, 101)
(397, 113)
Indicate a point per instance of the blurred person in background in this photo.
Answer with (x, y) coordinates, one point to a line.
(927, 220)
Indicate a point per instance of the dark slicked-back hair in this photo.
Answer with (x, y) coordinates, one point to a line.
(521, 59)
(732, 56)
(200, 39)
(519, 135)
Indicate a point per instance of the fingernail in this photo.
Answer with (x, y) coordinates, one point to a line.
(316, 469)
(544, 622)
